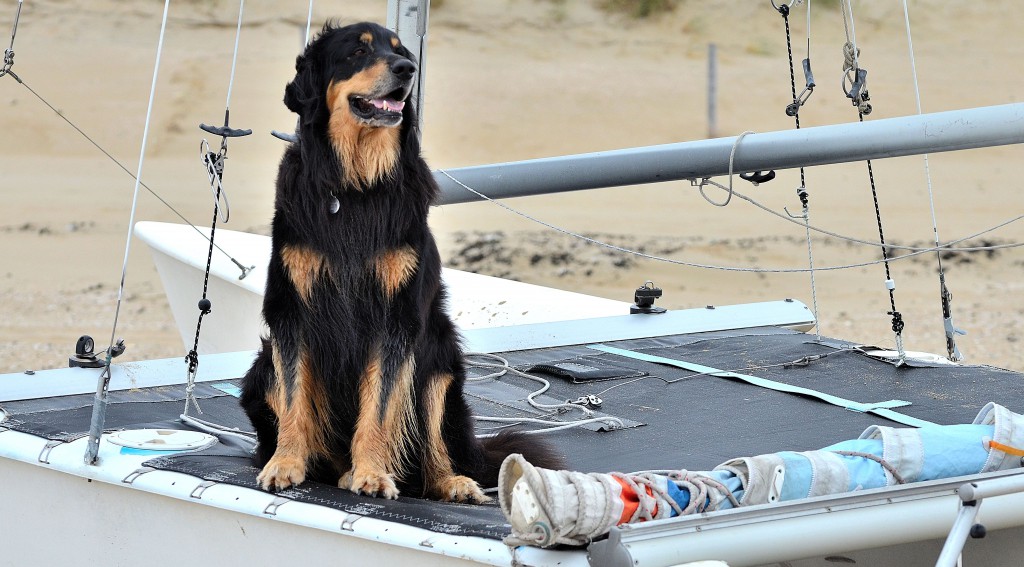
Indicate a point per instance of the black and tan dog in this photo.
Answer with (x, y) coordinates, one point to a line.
(360, 382)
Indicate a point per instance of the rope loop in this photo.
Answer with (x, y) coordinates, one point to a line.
(850, 57)
(855, 79)
(214, 163)
(707, 180)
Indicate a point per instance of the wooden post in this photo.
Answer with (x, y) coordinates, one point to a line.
(712, 91)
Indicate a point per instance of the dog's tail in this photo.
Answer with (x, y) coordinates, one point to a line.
(534, 450)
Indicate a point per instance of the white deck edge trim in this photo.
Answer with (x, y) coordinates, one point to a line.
(115, 467)
(228, 366)
(788, 313)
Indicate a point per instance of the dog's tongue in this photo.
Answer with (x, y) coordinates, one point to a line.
(388, 104)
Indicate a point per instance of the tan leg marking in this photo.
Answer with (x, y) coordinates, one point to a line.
(345, 480)
(304, 268)
(395, 267)
(367, 154)
(382, 439)
(343, 463)
(301, 422)
(441, 480)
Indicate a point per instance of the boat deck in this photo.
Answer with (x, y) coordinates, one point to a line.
(672, 418)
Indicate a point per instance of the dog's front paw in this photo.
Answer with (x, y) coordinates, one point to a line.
(373, 483)
(282, 472)
(461, 489)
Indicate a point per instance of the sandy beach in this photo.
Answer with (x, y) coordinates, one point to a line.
(510, 80)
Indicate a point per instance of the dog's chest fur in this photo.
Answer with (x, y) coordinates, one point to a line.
(362, 263)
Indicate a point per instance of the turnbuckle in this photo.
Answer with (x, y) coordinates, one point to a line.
(9, 52)
(8, 63)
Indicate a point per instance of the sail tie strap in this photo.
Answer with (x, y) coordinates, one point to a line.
(882, 409)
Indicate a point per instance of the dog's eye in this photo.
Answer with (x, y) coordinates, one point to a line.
(359, 52)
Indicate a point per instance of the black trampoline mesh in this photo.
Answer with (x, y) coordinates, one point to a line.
(675, 419)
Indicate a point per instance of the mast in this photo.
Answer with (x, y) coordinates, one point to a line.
(408, 18)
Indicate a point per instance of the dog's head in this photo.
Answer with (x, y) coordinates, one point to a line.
(362, 69)
(353, 83)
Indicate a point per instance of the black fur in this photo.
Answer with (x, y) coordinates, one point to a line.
(347, 313)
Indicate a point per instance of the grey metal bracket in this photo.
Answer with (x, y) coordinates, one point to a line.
(136, 474)
(350, 520)
(198, 491)
(44, 455)
(277, 502)
(966, 523)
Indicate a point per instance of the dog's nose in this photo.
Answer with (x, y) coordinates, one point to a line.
(403, 68)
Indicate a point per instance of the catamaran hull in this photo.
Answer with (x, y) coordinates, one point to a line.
(121, 514)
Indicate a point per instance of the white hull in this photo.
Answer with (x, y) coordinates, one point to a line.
(109, 516)
(235, 324)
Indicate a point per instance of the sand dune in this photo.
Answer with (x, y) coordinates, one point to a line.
(513, 80)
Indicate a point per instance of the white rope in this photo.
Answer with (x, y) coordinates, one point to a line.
(100, 401)
(851, 63)
(954, 352)
(614, 422)
(219, 430)
(808, 29)
(917, 99)
(810, 266)
(946, 246)
(309, 22)
(234, 57)
(706, 180)
(609, 420)
(502, 368)
(915, 252)
(807, 212)
(851, 35)
(138, 176)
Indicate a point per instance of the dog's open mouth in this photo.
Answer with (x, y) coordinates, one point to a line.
(385, 111)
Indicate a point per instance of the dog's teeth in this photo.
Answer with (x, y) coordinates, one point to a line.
(387, 104)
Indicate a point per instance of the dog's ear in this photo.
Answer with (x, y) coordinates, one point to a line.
(301, 95)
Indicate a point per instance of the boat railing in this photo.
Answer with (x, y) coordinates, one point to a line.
(966, 523)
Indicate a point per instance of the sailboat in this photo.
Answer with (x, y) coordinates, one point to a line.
(162, 490)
